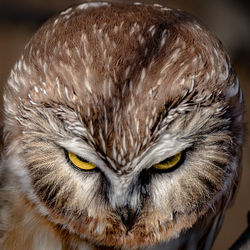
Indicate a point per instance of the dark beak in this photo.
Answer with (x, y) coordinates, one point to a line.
(128, 216)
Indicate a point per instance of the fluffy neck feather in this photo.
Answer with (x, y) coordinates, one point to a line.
(24, 229)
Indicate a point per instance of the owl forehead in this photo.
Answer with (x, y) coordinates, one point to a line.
(119, 67)
(99, 47)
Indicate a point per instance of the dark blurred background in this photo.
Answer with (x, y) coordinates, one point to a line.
(229, 19)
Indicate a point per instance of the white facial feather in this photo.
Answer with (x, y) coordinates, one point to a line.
(16, 166)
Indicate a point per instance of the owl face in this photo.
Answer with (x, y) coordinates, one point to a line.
(123, 125)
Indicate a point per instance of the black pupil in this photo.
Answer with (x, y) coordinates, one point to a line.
(81, 159)
(166, 161)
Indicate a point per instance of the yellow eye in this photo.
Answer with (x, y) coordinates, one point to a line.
(169, 162)
(80, 163)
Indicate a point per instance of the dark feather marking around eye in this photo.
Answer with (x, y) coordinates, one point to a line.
(211, 186)
(48, 193)
(104, 188)
(144, 183)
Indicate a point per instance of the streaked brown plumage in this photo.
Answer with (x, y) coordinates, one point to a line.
(124, 87)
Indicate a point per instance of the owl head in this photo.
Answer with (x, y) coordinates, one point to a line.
(123, 126)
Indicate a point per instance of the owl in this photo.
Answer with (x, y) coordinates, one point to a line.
(122, 130)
